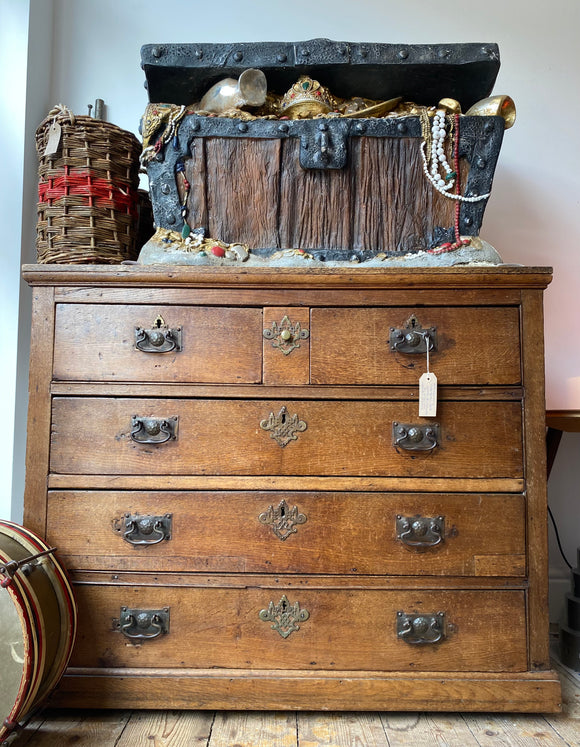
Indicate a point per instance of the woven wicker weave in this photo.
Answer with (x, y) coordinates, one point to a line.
(87, 192)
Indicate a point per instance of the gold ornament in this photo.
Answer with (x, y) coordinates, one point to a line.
(306, 98)
(495, 106)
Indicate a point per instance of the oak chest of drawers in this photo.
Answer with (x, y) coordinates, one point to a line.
(234, 469)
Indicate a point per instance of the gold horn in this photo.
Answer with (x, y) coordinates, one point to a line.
(495, 106)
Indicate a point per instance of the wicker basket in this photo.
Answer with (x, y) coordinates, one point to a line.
(87, 191)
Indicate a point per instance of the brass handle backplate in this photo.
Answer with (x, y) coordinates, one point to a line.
(412, 437)
(153, 430)
(141, 625)
(412, 339)
(159, 339)
(421, 532)
(420, 629)
(142, 530)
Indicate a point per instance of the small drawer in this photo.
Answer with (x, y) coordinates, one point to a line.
(101, 342)
(276, 626)
(273, 437)
(469, 345)
(274, 532)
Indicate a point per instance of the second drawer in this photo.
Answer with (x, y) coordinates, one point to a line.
(126, 436)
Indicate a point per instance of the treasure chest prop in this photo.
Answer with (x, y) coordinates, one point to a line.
(332, 151)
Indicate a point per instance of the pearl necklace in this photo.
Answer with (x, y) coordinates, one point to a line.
(437, 160)
(438, 134)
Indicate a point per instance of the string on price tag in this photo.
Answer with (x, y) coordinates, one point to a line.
(427, 389)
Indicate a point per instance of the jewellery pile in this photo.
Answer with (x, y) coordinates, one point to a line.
(198, 243)
(155, 114)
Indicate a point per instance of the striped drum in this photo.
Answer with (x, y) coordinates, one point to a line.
(37, 623)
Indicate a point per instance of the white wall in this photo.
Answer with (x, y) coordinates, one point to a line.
(25, 97)
(13, 49)
(532, 217)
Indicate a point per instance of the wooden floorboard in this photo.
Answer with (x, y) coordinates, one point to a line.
(137, 728)
(405, 729)
(253, 729)
(166, 729)
(337, 729)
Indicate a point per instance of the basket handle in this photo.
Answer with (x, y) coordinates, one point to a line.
(61, 109)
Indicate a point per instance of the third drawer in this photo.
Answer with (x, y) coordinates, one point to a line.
(298, 532)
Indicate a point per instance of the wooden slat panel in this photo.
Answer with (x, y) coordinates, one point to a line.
(92, 436)
(395, 207)
(315, 205)
(535, 467)
(242, 190)
(252, 391)
(273, 482)
(291, 581)
(196, 174)
(485, 629)
(39, 409)
(97, 343)
(274, 296)
(343, 533)
(432, 279)
(372, 691)
(474, 346)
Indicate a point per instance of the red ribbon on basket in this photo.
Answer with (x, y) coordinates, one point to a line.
(99, 192)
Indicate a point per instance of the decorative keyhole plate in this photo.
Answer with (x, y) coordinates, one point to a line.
(283, 427)
(284, 616)
(282, 519)
(286, 336)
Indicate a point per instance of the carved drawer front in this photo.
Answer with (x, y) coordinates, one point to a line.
(133, 436)
(340, 533)
(158, 343)
(473, 346)
(269, 626)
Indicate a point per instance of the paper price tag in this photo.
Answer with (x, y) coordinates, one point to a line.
(54, 134)
(428, 395)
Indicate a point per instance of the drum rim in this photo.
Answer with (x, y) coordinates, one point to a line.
(66, 602)
(49, 675)
(28, 682)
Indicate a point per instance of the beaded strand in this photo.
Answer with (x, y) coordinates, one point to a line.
(459, 242)
(434, 142)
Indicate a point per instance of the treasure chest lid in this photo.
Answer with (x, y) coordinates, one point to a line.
(422, 73)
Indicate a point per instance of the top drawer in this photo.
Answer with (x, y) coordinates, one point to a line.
(475, 346)
(97, 342)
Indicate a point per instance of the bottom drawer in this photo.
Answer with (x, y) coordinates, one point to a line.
(270, 626)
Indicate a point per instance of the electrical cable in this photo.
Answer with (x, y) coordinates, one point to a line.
(558, 539)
